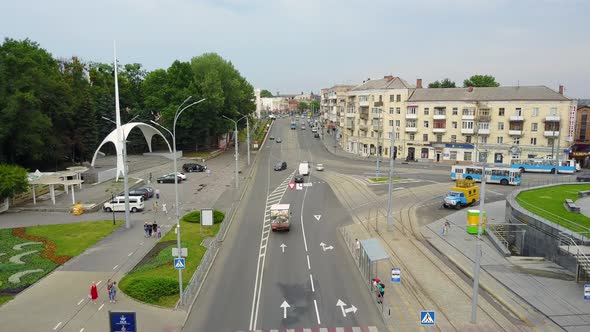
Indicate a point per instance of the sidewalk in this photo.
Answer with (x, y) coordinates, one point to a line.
(60, 301)
(543, 285)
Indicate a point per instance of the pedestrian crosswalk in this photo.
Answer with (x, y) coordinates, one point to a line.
(323, 329)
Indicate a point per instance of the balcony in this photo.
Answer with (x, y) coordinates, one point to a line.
(468, 116)
(411, 116)
(363, 103)
(363, 127)
(516, 118)
(411, 129)
(552, 118)
(375, 115)
(364, 113)
(439, 130)
(440, 116)
(515, 132)
(350, 125)
(467, 131)
(483, 131)
(378, 104)
(550, 133)
(377, 127)
(484, 118)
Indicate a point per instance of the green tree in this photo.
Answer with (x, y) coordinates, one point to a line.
(302, 106)
(265, 94)
(13, 180)
(481, 81)
(446, 83)
(314, 105)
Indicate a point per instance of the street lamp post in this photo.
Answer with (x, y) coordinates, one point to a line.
(173, 134)
(247, 136)
(478, 241)
(236, 146)
(378, 146)
(389, 196)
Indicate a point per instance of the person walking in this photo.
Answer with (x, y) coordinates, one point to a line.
(145, 229)
(208, 172)
(159, 232)
(110, 290)
(357, 248)
(150, 229)
(445, 229)
(155, 229)
(93, 293)
(113, 293)
(164, 209)
(381, 292)
(157, 193)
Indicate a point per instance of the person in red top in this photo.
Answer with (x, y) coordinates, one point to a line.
(93, 292)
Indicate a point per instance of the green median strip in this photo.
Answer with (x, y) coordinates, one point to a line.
(382, 179)
(155, 280)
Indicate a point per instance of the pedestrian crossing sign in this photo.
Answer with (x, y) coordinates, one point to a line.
(427, 318)
(587, 292)
(179, 263)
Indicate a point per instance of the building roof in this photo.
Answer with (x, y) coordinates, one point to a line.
(388, 82)
(487, 94)
(583, 102)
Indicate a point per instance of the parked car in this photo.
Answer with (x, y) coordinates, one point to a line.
(118, 204)
(281, 165)
(583, 177)
(278, 140)
(138, 192)
(194, 168)
(149, 190)
(169, 178)
(319, 167)
(299, 178)
(181, 176)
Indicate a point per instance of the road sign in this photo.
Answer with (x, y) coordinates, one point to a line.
(291, 185)
(587, 292)
(206, 217)
(308, 184)
(299, 186)
(317, 217)
(183, 252)
(179, 263)
(122, 321)
(396, 275)
(427, 318)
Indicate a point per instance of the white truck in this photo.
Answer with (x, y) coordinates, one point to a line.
(279, 217)
(304, 168)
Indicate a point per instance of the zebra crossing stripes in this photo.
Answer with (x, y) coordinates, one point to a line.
(323, 329)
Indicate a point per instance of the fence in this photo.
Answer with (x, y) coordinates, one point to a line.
(530, 180)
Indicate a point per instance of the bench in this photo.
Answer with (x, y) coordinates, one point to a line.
(584, 193)
(571, 206)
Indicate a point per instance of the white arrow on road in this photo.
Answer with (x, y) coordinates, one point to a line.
(285, 305)
(317, 217)
(283, 246)
(341, 304)
(326, 247)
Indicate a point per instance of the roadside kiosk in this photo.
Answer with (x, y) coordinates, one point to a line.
(473, 221)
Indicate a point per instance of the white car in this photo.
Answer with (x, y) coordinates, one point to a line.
(180, 175)
(319, 167)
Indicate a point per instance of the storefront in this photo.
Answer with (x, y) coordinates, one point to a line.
(458, 152)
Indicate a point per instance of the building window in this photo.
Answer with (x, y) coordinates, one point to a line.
(425, 137)
(412, 136)
(363, 98)
(411, 110)
(483, 125)
(516, 141)
(391, 110)
(426, 111)
(467, 125)
(399, 98)
(397, 123)
(533, 141)
(424, 153)
(468, 139)
(398, 110)
(518, 111)
(468, 111)
(583, 126)
(550, 142)
(454, 124)
(391, 123)
(500, 140)
(501, 111)
(439, 138)
(484, 111)
(453, 138)
(533, 126)
(467, 156)
(484, 140)
(425, 124)
(397, 135)
(455, 110)
(536, 111)
(411, 123)
(500, 125)
(391, 98)
(453, 155)
(553, 111)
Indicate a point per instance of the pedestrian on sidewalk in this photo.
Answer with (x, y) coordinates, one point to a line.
(93, 293)
(357, 248)
(164, 209)
(445, 229)
(145, 229)
(114, 292)
(155, 229)
(157, 193)
(381, 292)
(155, 207)
(110, 290)
(159, 232)
(208, 172)
(150, 229)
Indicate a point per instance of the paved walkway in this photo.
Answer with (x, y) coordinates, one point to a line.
(544, 285)
(60, 302)
(584, 204)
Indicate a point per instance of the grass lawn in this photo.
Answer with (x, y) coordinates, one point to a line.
(56, 245)
(548, 203)
(194, 154)
(155, 280)
(383, 179)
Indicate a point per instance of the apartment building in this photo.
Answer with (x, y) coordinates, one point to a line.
(581, 149)
(460, 125)
(332, 106)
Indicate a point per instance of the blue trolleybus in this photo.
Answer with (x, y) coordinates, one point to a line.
(543, 165)
(501, 175)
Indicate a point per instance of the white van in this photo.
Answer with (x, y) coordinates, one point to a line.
(304, 168)
(118, 204)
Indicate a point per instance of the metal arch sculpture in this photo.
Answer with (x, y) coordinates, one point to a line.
(148, 133)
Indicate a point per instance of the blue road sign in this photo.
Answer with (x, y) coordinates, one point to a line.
(179, 263)
(587, 292)
(396, 275)
(427, 318)
(377, 171)
(122, 321)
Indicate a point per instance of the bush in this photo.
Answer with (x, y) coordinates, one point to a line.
(195, 217)
(149, 289)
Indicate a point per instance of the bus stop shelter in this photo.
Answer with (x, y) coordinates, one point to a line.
(371, 252)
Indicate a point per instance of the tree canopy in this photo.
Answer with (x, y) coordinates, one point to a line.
(445, 83)
(481, 81)
(13, 180)
(265, 93)
(302, 106)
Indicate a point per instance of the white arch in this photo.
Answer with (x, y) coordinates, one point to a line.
(148, 133)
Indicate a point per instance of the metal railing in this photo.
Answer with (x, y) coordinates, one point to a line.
(582, 260)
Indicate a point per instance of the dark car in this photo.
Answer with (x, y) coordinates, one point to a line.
(271, 137)
(138, 192)
(316, 135)
(299, 178)
(281, 165)
(168, 179)
(149, 190)
(583, 177)
(193, 168)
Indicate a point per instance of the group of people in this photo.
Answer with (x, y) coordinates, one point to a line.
(152, 230)
(379, 288)
(111, 290)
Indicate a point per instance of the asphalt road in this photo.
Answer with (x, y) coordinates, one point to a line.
(252, 276)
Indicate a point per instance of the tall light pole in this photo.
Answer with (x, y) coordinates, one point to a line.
(173, 134)
(248, 136)
(236, 146)
(478, 242)
(389, 196)
(378, 145)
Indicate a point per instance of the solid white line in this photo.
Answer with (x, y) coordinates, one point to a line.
(317, 313)
(102, 305)
(130, 254)
(82, 330)
(98, 283)
(141, 243)
(302, 227)
(56, 326)
(308, 265)
(116, 266)
(311, 280)
(82, 300)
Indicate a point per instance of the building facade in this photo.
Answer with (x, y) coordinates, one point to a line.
(459, 125)
(332, 108)
(581, 149)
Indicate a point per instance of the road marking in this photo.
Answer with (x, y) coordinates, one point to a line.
(141, 243)
(311, 280)
(308, 266)
(82, 330)
(317, 313)
(283, 246)
(56, 326)
(102, 305)
(323, 245)
(302, 227)
(495, 192)
(82, 300)
(130, 254)
(98, 283)
(263, 247)
(116, 266)
(285, 305)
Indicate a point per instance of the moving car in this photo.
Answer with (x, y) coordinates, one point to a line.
(169, 178)
(465, 193)
(281, 165)
(314, 130)
(279, 217)
(278, 140)
(304, 168)
(299, 178)
(271, 137)
(193, 168)
(181, 176)
(118, 204)
(303, 127)
(319, 167)
(149, 190)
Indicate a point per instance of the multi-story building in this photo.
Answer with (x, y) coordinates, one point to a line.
(457, 124)
(581, 150)
(332, 107)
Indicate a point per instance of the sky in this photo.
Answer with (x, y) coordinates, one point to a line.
(294, 46)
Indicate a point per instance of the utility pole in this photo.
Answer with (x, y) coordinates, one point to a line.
(236, 146)
(557, 151)
(478, 243)
(248, 137)
(553, 148)
(378, 145)
(389, 197)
